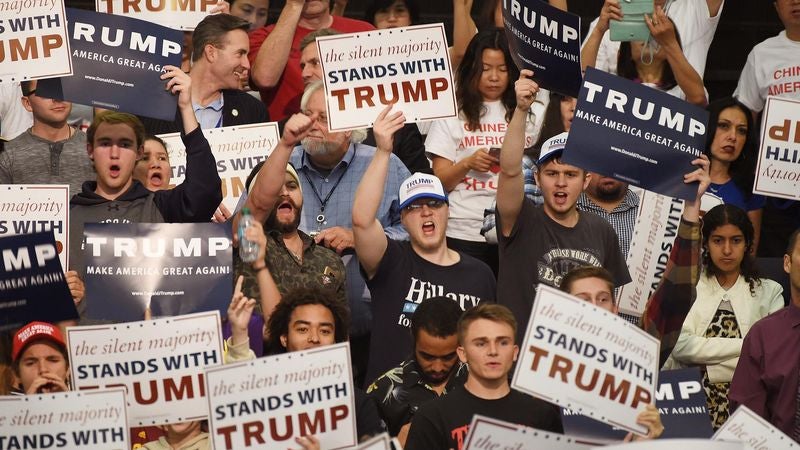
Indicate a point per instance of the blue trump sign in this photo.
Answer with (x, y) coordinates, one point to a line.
(117, 64)
(636, 134)
(32, 283)
(546, 40)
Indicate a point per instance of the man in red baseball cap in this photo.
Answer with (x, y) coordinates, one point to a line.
(39, 355)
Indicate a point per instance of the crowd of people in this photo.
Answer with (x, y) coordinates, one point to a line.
(421, 249)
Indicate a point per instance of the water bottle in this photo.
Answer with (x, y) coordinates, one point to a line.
(248, 250)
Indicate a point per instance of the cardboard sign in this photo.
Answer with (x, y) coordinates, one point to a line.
(364, 72)
(753, 432)
(266, 403)
(778, 170)
(681, 402)
(177, 14)
(236, 149)
(487, 433)
(32, 283)
(34, 40)
(86, 420)
(636, 134)
(173, 268)
(118, 62)
(33, 208)
(672, 444)
(546, 40)
(581, 357)
(158, 362)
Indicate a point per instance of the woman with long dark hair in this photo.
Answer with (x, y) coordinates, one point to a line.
(465, 150)
(730, 299)
(730, 146)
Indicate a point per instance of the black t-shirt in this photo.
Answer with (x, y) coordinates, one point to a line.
(540, 250)
(403, 280)
(442, 424)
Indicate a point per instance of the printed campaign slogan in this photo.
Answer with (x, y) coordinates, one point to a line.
(118, 62)
(237, 150)
(364, 72)
(32, 283)
(581, 357)
(86, 420)
(33, 40)
(32, 208)
(546, 40)
(172, 268)
(178, 14)
(486, 433)
(267, 403)
(778, 170)
(158, 362)
(753, 432)
(681, 402)
(636, 134)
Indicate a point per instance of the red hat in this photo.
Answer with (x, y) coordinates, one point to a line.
(36, 331)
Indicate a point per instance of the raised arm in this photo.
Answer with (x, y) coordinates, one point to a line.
(591, 46)
(370, 240)
(463, 30)
(271, 58)
(511, 181)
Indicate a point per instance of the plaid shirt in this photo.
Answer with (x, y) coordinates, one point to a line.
(532, 191)
(622, 218)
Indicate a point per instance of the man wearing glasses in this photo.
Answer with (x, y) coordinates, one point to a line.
(50, 151)
(401, 275)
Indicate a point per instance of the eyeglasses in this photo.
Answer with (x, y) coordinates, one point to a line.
(432, 204)
(322, 119)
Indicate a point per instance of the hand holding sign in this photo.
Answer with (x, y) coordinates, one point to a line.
(179, 83)
(385, 126)
(651, 418)
(526, 90)
(76, 286)
(308, 442)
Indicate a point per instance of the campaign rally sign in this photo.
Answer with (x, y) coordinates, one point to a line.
(32, 283)
(172, 268)
(487, 433)
(118, 62)
(32, 208)
(177, 14)
(636, 134)
(546, 40)
(584, 358)
(158, 362)
(408, 67)
(268, 402)
(672, 444)
(680, 399)
(753, 432)
(86, 420)
(237, 150)
(778, 169)
(34, 40)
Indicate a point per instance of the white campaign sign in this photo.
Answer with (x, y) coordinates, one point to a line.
(32, 208)
(584, 358)
(87, 420)
(266, 403)
(778, 170)
(237, 150)
(158, 362)
(491, 434)
(177, 14)
(754, 432)
(34, 41)
(364, 72)
(673, 444)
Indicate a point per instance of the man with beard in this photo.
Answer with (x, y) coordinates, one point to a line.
(432, 371)
(612, 200)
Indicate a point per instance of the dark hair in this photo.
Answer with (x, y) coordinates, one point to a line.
(489, 311)
(792, 241)
(114, 118)
(742, 170)
(580, 273)
(25, 87)
(438, 316)
(312, 37)
(278, 323)
(626, 66)
(727, 214)
(469, 74)
(376, 5)
(212, 30)
(484, 14)
(553, 123)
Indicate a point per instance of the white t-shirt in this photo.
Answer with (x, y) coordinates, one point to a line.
(772, 68)
(14, 118)
(450, 139)
(695, 28)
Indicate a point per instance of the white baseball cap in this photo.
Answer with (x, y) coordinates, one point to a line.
(552, 148)
(421, 185)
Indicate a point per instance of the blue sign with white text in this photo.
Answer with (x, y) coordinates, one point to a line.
(636, 134)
